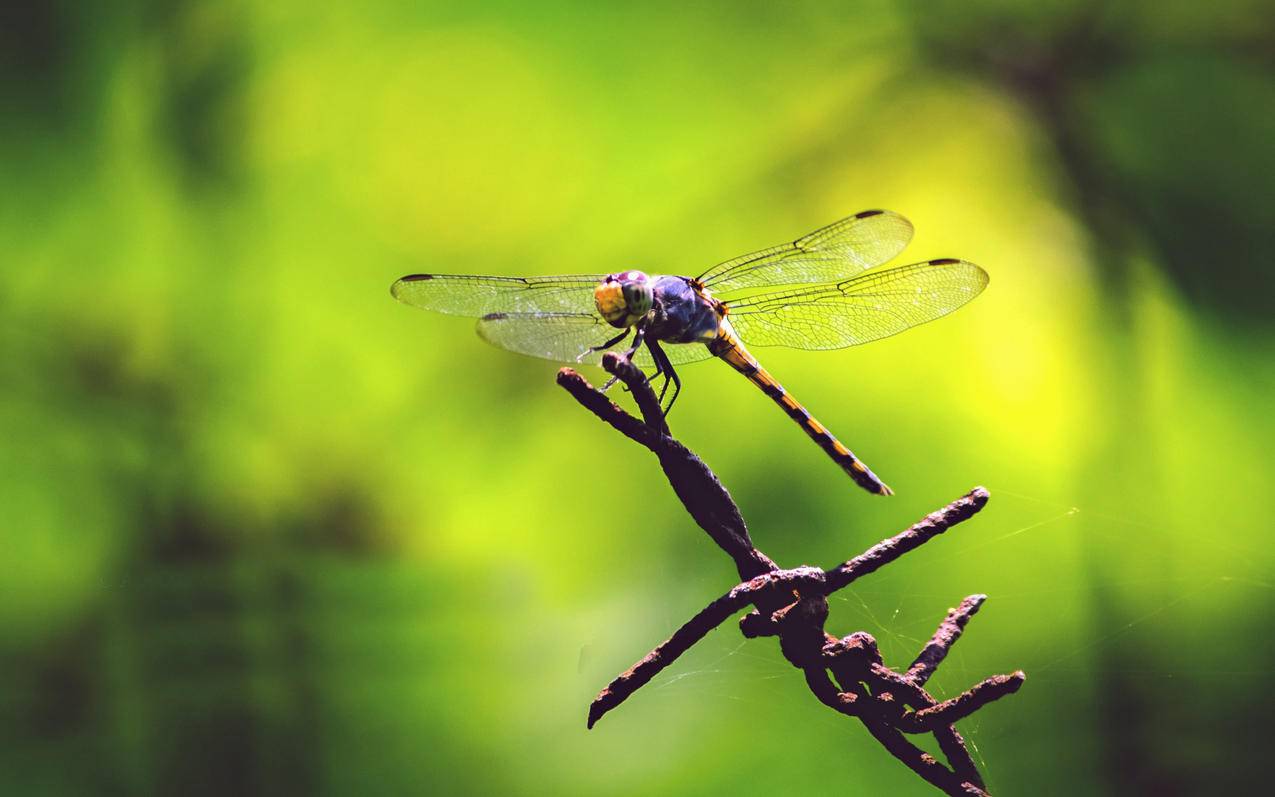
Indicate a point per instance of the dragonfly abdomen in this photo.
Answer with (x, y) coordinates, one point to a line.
(728, 348)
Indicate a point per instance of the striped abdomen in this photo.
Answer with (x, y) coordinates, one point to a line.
(729, 348)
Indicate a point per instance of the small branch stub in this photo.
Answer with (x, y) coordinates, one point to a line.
(846, 674)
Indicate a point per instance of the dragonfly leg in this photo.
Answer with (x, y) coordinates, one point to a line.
(664, 366)
(638, 337)
(659, 369)
(603, 347)
(649, 377)
(677, 389)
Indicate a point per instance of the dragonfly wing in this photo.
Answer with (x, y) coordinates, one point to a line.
(678, 354)
(553, 336)
(860, 242)
(861, 309)
(568, 338)
(476, 296)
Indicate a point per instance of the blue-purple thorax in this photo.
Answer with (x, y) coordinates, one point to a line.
(683, 312)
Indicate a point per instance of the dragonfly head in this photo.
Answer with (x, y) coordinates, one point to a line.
(624, 299)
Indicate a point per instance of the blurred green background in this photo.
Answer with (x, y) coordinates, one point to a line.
(267, 531)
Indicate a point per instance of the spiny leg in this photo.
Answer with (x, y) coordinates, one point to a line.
(638, 337)
(624, 334)
(660, 370)
(651, 377)
(665, 366)
(657, 354)
(677, 389)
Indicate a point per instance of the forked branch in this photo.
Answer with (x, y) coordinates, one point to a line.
(846, 674)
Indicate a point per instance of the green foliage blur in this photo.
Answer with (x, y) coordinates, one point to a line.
(267, 531)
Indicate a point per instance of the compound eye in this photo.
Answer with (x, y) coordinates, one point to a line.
(637, 295)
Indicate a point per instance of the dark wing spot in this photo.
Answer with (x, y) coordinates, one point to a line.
(416, 278)
(495, 316)
(944, 261)
(863, 214)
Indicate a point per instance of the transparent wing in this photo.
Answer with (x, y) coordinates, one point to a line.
(861, 309)
(678, 354)
(564, 337)
(476, 296)
(860, 242)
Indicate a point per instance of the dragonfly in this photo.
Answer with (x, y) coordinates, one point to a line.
(822, 291)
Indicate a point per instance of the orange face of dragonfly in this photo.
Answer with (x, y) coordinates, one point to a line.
(625, 298)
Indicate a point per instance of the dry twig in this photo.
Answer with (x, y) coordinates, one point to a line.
(792, 605)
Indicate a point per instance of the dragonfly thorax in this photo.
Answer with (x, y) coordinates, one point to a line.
(625, 298)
